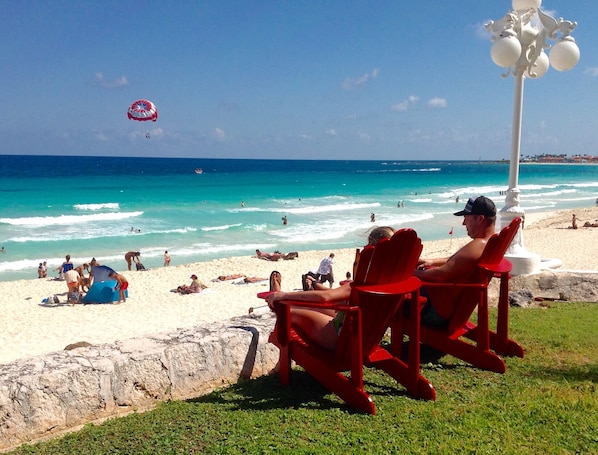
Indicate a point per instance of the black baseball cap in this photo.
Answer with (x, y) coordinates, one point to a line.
(479, 206)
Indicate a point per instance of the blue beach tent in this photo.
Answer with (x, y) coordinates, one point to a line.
(102, 289)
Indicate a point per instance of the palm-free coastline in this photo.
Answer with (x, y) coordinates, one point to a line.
(30, 328)
(87, 206)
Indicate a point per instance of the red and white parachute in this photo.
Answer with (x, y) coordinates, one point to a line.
(142, 111)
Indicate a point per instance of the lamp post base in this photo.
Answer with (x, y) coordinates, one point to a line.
(524, 263)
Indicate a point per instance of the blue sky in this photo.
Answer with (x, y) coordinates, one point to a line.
(283, 79)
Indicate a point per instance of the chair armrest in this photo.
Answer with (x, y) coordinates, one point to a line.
(453, 285)
(411, 284)
(504, 266)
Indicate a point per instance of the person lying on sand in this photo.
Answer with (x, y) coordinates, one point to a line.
(268, 256)
(230, 277)
(246, 279)
(276, 255)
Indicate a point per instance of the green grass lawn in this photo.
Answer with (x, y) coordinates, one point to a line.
(546, 403)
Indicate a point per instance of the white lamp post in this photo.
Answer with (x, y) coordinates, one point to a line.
(519, 40)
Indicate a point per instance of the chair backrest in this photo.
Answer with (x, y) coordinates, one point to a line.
(497, 245)
(492, 258)
(389, 261)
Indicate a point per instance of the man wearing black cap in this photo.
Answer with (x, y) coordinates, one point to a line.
(479, 216)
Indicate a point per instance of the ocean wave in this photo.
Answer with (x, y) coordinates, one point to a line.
(220, 228)
(335, 229)
(94, 207)
(66, 220)
(423, 169)
(308, 209)
(326, 208)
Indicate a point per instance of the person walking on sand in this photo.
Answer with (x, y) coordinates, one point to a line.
(121, 286)
(166, 259)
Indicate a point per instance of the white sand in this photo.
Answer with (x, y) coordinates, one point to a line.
(29, 328)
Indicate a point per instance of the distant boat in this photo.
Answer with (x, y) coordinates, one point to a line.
(199, 170)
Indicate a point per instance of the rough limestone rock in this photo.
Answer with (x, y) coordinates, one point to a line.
(555, 285)
(551, 285)
(522, 298)
(47, 395)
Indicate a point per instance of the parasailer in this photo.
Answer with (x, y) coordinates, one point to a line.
(143, 111)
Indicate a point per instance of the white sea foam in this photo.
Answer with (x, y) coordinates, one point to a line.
(66, 220)
(94, 207)
(220, 228)
(327, 208)
(307, 209)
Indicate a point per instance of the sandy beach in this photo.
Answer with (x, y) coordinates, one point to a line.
(29, 328)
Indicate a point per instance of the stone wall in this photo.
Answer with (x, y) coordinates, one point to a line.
(552, 285)
(48, 395)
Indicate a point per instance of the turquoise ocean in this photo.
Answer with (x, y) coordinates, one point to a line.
(103, 207)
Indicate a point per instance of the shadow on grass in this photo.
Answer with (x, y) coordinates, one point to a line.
(579, 373)
(305, 392)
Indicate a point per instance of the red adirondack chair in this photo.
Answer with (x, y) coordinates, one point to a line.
(466, 297)
(382, 282)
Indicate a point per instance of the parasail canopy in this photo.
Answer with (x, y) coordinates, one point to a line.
(142, 111)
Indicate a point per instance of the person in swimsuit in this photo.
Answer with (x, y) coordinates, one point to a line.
(132, 256)
(323, 326)
(73, 282)
(121, 285)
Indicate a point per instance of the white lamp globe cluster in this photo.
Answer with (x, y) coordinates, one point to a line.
(520, 45)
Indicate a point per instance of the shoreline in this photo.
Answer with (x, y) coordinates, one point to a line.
(29, 328)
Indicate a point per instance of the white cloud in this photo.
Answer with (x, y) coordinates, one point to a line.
(115, 83)
(404, 105)
(592, 71)
(400, 107)
(352, 84)
(437, 102)
(219, 134)
(331, 132)
(364, 137)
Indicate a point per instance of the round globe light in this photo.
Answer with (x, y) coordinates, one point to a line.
(521, 5)
(506, 51)
(564, 55)
(540, 67)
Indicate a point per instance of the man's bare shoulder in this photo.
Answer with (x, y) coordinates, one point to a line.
(473, 249)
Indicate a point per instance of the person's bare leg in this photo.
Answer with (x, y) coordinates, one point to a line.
(316, 325)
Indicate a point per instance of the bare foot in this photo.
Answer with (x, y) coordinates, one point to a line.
(275, 281)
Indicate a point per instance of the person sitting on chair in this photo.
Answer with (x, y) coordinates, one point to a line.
(479, 217)
(323, 326)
